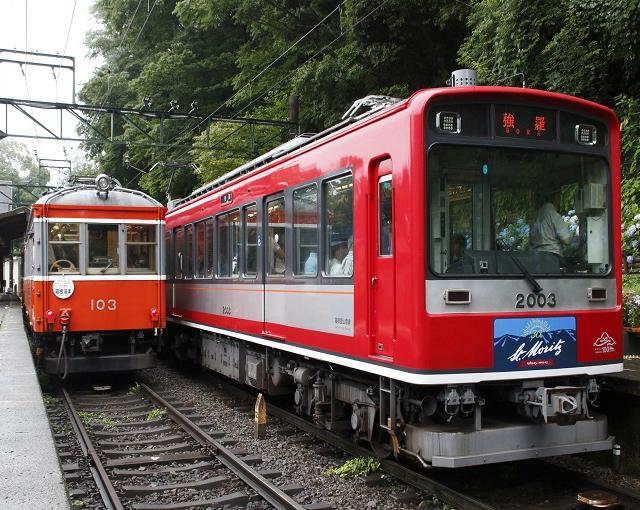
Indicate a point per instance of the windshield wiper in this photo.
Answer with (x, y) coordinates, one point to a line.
(535, 286)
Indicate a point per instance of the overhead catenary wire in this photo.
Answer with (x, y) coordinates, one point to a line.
(64, 50)
(265, 69)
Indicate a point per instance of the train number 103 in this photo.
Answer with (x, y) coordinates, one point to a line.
(535, 300)
(103, 304)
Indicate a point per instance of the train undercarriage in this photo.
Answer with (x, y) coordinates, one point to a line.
(450, 426)
(89, 352)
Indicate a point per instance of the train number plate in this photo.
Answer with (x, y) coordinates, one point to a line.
(534, 343)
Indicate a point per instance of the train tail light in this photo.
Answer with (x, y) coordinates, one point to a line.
(155, 314)
(50, 316)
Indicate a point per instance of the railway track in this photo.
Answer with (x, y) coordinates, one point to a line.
(524, 485)
(147, 453)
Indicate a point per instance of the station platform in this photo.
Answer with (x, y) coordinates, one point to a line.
(30, 473)
(625, 382)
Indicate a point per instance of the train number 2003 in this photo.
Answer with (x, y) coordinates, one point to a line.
(533, 300)
(103, 304)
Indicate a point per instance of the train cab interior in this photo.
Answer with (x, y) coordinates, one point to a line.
(499, 211)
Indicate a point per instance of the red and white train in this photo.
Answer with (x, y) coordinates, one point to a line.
(437, 274)
(94, 283)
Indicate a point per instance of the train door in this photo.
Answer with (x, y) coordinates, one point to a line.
(275, 245)
(382, 275)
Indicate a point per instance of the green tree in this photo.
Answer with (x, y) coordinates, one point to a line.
(18, 166)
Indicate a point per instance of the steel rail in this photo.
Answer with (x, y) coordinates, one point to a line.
(577, 478)
(441, 491)
(419, 481)
(105, 487)
(268, 491)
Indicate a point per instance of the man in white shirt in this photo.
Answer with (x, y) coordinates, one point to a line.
(549, 231)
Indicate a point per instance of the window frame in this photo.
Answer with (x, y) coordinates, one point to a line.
(217, 249)
(294, 229)
(121, 259)
(125, 244)
(245, 240)
(287, 241)
(82, 235)
(325, 224)
(178, 265)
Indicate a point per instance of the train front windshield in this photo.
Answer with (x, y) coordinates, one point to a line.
(503, 211)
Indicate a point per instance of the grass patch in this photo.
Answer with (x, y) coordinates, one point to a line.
(156, 412)
(136, 389)
(78, 503)
(93, 419)
(358, 466)
(49, 400)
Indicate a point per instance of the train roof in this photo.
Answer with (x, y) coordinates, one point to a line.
(379, 106)
(89, 195)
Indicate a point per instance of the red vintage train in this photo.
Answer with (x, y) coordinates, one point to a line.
(436, 274)
(94, 285)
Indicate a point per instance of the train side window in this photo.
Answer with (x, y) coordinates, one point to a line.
(141, 248)
(276, 247)
(228, 244)
(209, 243)
(339, 226)
(64, 248)
(178, 244)
(305, 230)
(103, 256)
(200, 250)
(188, 251)
(385, 216)
(251, 241)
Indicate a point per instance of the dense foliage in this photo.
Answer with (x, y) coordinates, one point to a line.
(246, 57)
(17, 166)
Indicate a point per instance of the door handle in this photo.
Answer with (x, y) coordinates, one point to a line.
(374, 280)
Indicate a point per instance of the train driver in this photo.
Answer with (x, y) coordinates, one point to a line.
(548, 230)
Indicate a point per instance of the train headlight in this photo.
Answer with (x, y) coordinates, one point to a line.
(103, 182)
(50, 316)
(586, 134)
(155, 314)
(449, 122)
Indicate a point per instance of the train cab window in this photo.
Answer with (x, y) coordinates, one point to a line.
(228, 244)
(103, 254)
(141, 249)
(209, 244)
(178, 245)
(511, 211)
(305, 230)
(64, 248)
(251, 241)
(200, 250)
(188, 252)
(276, 247)
(339, 227)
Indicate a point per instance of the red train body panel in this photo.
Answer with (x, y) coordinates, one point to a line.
(458, 165)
